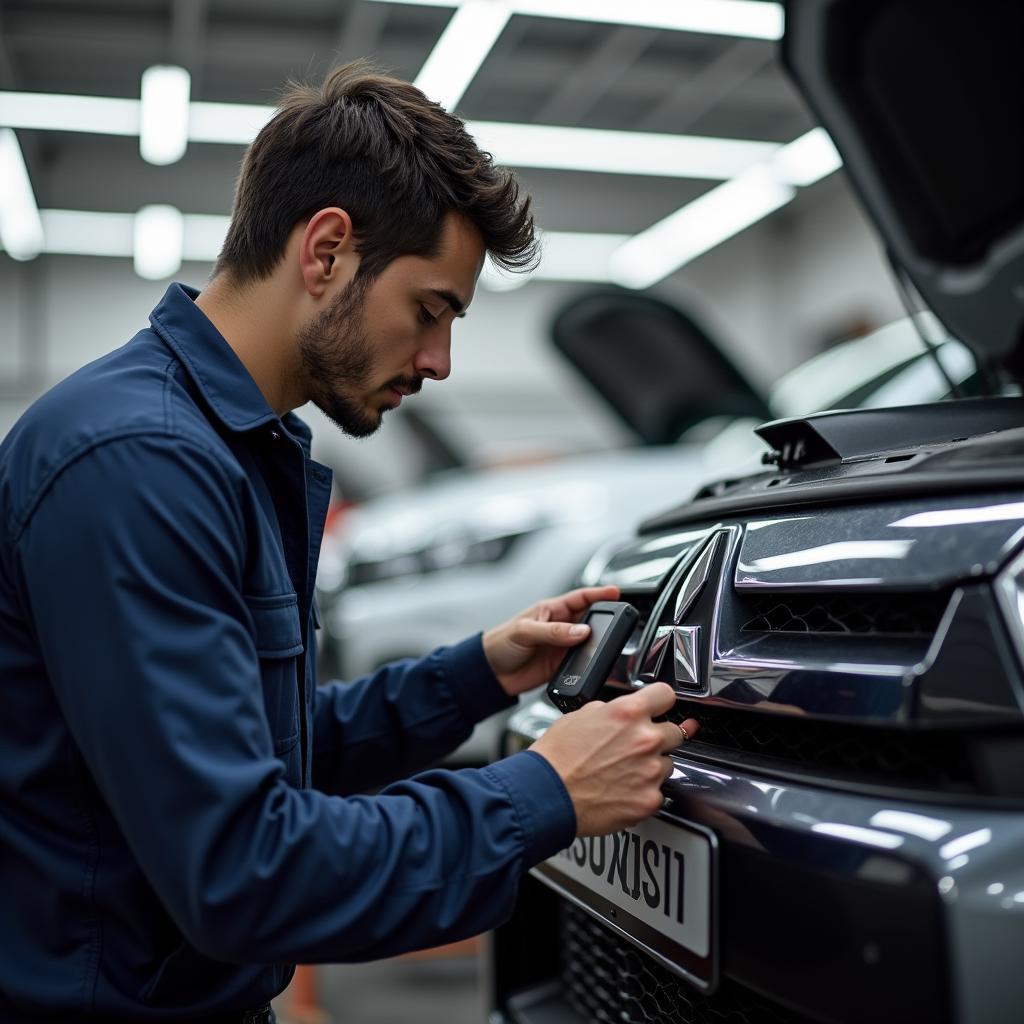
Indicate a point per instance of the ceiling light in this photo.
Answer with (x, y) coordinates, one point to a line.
(617, 152)
(85, 233)
(237, 123)
(519, 145)
(464, 44)
(44, 111)
(203, 236)
(699, 226)
(565, 256)
(159, 234)
(749, 18)
(21, 230)
(807, 159)
(163, 127)
(753, 19)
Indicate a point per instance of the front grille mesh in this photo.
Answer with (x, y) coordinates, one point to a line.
(609, 981)
(931, 760)
(888, 614)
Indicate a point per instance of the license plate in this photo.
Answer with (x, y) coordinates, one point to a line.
(655, 884)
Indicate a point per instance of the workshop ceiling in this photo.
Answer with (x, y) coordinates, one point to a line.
(540, 71)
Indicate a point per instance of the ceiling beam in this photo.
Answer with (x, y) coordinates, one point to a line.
(694, 95)
(360, 28)
(586, 85)
(188, 32)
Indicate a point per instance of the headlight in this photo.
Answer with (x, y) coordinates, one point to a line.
(451, 553)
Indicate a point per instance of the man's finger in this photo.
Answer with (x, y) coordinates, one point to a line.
(580, 600)
(671, 736)
(531, 633)
(654, 699)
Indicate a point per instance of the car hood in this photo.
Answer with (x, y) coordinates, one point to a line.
(925, 103)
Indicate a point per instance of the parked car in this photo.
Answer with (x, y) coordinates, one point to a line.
(432, 564)
(843, 841)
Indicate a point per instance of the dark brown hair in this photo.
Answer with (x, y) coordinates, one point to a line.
(378, 148)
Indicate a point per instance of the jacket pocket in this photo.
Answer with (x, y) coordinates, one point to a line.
(278, 639)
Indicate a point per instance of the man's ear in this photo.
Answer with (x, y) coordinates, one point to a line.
(327, 251)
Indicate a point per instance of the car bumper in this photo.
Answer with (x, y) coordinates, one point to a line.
(832, 906)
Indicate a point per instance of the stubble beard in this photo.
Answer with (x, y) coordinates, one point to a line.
(338, 360)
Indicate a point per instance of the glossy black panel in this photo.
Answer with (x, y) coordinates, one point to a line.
(644, 564)
(892, 545)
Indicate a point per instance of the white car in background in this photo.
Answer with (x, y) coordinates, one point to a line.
(432, 564)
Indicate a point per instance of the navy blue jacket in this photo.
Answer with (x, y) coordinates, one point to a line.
(180, 816)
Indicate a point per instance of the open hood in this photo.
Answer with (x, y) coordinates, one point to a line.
(656, 366)
(925, 103)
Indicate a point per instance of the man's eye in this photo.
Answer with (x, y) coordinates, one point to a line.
(426, 317)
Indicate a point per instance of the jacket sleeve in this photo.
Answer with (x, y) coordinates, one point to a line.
(132, 568)
(401, 718)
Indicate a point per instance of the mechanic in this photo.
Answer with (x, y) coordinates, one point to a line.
(181, 808)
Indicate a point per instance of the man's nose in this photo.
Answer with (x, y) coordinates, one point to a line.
(434, 360)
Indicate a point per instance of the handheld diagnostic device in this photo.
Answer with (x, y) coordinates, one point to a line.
(586, 668)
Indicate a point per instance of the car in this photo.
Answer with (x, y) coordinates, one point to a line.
(428, 565)
(842, 840)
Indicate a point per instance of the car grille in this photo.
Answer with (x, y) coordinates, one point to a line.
(609, 981)
(930, 760)
(888, 614)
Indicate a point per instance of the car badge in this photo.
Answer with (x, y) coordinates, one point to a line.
(675, 636)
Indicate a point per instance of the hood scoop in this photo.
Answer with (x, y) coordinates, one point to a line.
(844, 436)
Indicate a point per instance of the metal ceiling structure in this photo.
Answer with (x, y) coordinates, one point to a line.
(541, 70)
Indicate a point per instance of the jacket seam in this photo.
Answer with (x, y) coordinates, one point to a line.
(20, 524)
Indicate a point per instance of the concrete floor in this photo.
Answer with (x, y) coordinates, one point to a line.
(434, 990)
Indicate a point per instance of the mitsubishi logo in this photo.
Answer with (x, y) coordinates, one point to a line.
(682, 641)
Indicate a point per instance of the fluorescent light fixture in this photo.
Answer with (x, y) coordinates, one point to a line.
(618, 152)
(807, 159)
(565, 256)
(159, 236)
(44, 111)
(84, 233)
(464, 44)
(164, 113)
(21, 229)
(230, 123)
(203, 236)
(748, 18)
(163, 126)
(699, 226)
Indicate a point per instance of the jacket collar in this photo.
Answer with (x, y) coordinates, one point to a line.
(222, 379)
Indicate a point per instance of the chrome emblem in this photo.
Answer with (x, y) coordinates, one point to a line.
(681, 640)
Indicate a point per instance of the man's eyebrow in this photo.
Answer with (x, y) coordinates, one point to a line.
(458, 306)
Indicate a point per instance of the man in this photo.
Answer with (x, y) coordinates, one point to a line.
(180, 816)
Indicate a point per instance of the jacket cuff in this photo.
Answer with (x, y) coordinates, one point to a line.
(540, 801)
(471, 681)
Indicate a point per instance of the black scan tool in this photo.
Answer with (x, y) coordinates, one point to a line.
(586, 668)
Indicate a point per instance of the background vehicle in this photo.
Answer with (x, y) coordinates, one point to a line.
(847, 625)
(430, 565)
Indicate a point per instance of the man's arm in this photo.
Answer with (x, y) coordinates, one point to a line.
(132, 571)
(402, 717)
(411, 713)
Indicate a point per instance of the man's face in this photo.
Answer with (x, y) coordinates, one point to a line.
(377, 341)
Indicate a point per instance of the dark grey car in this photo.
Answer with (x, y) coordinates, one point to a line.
(844, 839)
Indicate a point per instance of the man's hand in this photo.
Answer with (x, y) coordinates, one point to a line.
(611, 757)
(525, 651)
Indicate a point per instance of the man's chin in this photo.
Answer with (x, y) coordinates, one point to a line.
(351, 422)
